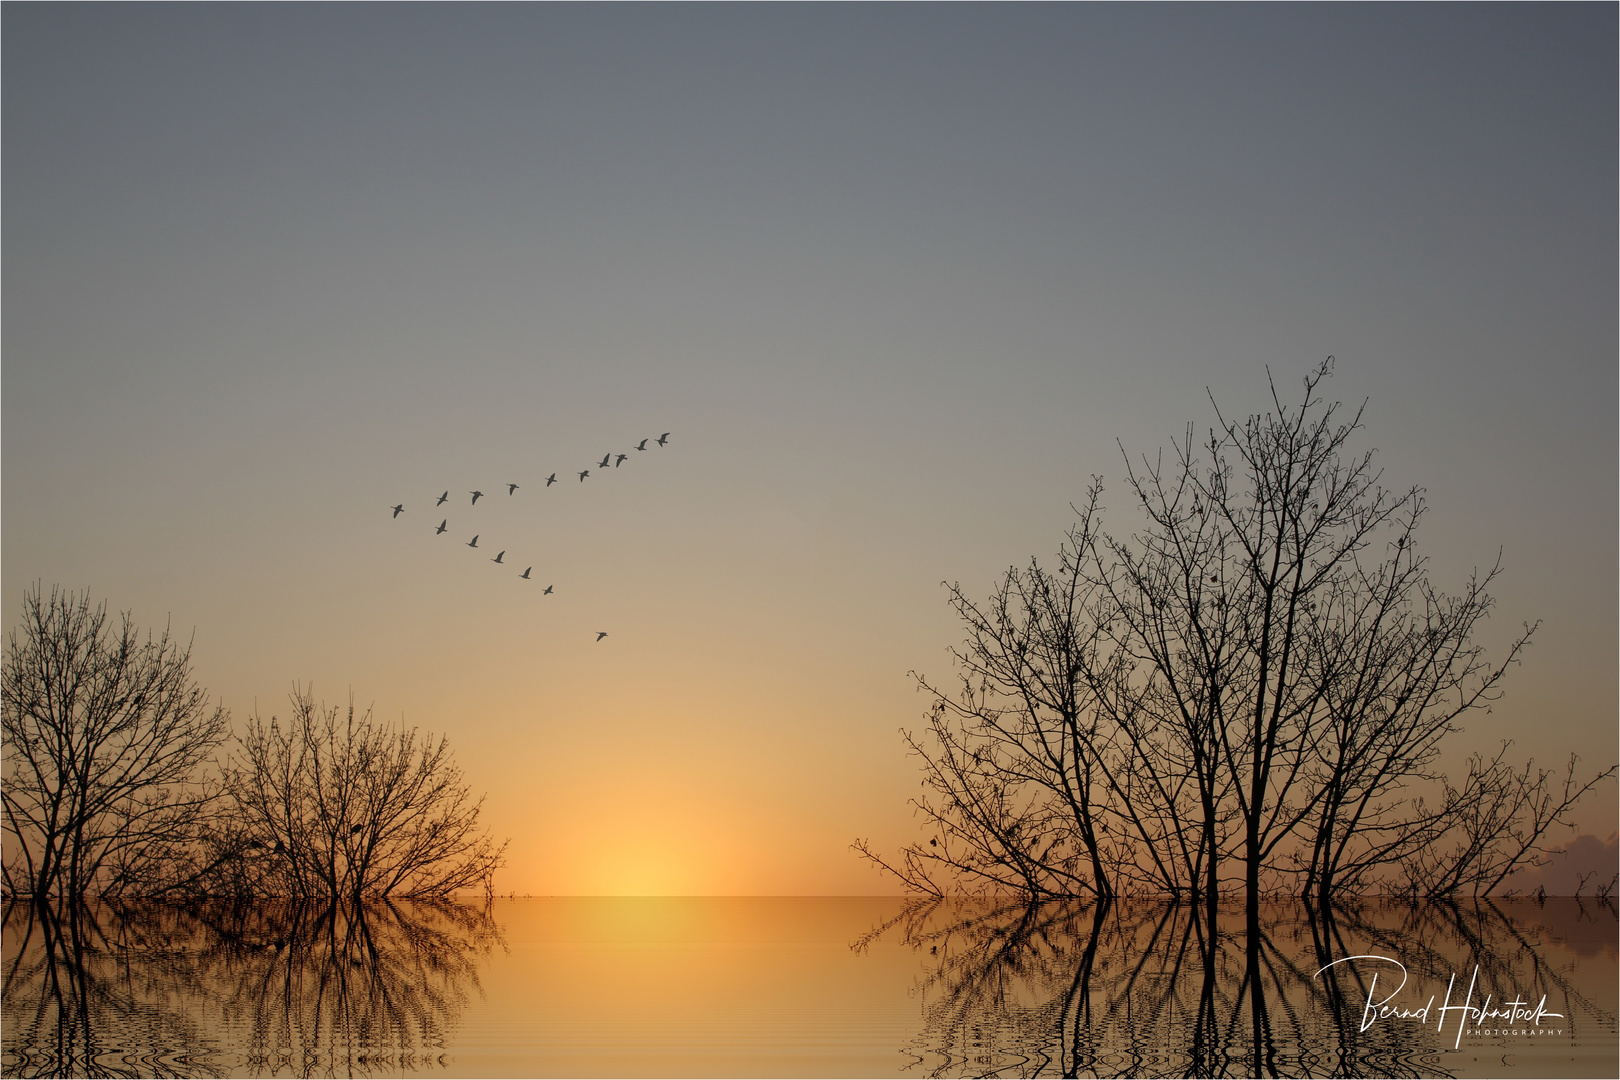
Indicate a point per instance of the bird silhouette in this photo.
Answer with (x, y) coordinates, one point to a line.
(398, 508)
(600, 634)
(642, 445)
(511, 489)
(440, 529)
(664, 438)
(499, 557)
(525, 574)
(474, 541)
(475, 496)
(620, 460)
(356, 829)
(552, 479)
(583, 475)
(442, 498)
(603, 463)
(547, 592)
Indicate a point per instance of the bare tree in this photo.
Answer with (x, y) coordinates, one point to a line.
(1250, 691)
(1227, 590)
(106, 736)
(337, 804)
(1020, 762)
(1495, 822)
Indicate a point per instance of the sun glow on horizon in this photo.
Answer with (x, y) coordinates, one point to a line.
(658, 852)
(640, 867)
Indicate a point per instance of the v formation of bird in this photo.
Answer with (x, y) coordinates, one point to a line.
(604, 465)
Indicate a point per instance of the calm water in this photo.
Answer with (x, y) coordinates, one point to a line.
(806, 987)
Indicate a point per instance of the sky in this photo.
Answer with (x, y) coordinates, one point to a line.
(897, 280)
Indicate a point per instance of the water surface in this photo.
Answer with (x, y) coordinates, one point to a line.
(805, 987)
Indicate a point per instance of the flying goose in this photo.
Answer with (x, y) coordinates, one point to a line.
(440, 529)
(547, 592)
(600, 634)
(603, 463)
(473, 542)
(511, 489)
(443, 497)
(662, 439)
(552, 479)
(475, 496)
(499, 557)
(620, 461)
(525, 574)
(397, 509)
(583, 475)
(642, 445)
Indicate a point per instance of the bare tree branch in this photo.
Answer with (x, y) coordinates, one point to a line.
(1251, 691)
(106, 738)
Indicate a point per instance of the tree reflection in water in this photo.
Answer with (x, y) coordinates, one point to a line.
(1133, 988)
(278, 989)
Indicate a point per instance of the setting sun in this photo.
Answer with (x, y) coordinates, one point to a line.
(848, 487)
(643, 866)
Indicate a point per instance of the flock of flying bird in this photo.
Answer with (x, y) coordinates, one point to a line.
(511, 489)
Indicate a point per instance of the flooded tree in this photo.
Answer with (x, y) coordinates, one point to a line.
(106, 736)
(113, 787)
(334, 803)
(1249, 693)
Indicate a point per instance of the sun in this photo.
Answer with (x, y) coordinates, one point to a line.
(651, 867)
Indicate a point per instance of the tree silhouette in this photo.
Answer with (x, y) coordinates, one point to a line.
(337, 804)
(1249, 693)
(105, 736)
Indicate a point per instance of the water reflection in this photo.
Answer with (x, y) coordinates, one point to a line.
(278, 989)
(768, 987)
(1144, 989)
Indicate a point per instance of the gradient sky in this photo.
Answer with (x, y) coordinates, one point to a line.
(897, 278)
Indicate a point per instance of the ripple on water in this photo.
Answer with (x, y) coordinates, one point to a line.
(784, 987)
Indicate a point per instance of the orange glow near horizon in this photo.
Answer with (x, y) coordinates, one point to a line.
(643, 858)
(650, 844)
(855, 304)
(640, 866)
